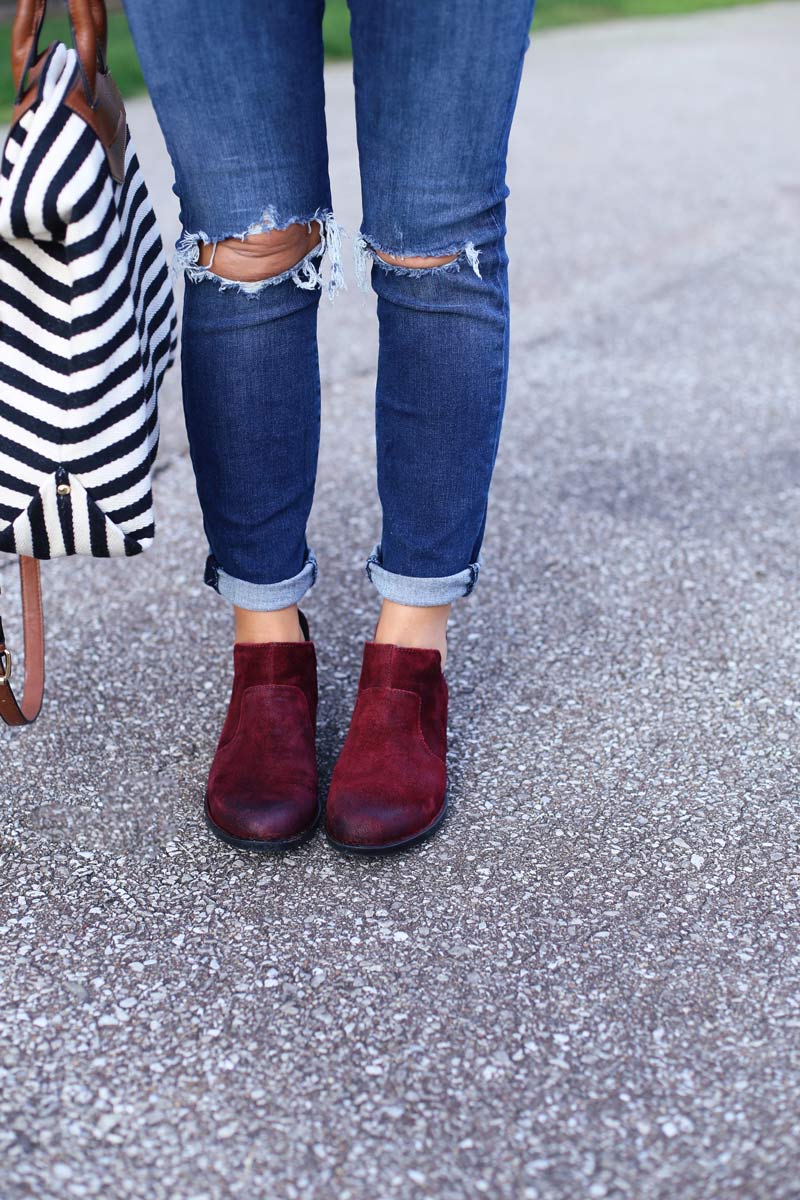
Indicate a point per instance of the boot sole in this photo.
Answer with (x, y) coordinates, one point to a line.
(391, 847)
(261, 847)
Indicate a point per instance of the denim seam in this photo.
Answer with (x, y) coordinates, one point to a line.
(512, 103)
(367, 251)
(305, 274)
(474, 571)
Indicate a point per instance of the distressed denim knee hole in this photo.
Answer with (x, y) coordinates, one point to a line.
(238, 261)
(368, 251)
(260, 256)
(415, 262)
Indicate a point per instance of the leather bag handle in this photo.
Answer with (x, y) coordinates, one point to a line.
(13, 711)
(89, 23)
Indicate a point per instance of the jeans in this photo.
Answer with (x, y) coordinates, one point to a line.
(238, 91)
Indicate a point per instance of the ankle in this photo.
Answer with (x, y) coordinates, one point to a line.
(414, 627)
(282, 625)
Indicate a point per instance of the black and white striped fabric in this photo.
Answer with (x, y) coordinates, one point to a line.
(87, 329)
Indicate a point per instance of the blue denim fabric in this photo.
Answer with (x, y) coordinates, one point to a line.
(238, 90)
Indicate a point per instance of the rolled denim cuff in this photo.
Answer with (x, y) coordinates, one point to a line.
(261, 597)
(420, 592)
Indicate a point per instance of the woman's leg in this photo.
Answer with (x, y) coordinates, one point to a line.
(238, 91)
(436, 84)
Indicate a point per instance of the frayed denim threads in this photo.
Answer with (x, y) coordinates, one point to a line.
(306, 274)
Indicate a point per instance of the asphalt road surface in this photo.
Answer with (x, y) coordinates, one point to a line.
(587, 985)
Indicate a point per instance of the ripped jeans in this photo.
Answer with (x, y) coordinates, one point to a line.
(238, 91)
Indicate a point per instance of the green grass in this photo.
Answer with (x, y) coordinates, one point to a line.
(549, 14)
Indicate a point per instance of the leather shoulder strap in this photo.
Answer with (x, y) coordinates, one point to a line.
(11, 710)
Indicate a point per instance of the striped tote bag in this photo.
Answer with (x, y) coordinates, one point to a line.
(87, 322)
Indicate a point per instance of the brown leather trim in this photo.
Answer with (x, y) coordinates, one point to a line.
(106, 116)
(33, 87)
(24, 104)
(94, 96)
(11, 711)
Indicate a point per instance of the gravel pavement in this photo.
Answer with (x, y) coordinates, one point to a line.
(587, 985)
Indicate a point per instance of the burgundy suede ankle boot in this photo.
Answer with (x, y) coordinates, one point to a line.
(262, 789)
(389, 787)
